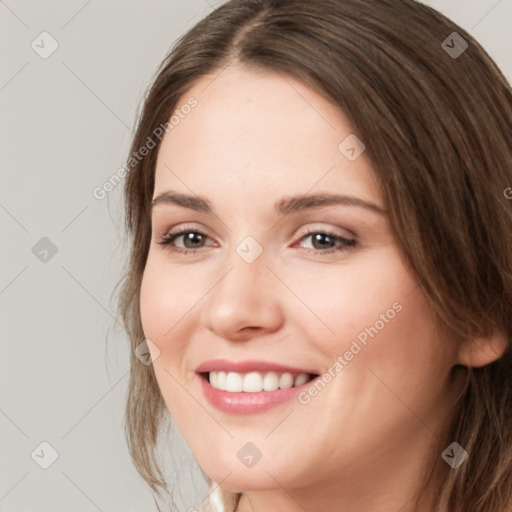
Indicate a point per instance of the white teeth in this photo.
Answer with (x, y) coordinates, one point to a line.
(300, 379)
(254, 382)
(234, 382)
(271, 381)
(286, 381)
(221, 380)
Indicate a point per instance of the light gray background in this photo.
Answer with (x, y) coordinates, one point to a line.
(66, 127)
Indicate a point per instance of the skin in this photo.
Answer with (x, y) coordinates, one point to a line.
(362, 444)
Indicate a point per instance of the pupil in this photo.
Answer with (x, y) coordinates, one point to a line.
(322, 236)
(193, 238)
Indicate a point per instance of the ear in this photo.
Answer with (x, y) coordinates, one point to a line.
(482, 351)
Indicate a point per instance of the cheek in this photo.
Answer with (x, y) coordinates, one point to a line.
(391, 353)
(163, 303)
(349, 299)
(152, 300)
(374, 313)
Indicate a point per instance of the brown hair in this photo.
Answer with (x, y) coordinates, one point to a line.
(437, 130)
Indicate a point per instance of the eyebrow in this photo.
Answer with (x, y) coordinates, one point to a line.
(284, 206)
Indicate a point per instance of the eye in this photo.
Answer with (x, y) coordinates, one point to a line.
(191, 240)
(326, 242)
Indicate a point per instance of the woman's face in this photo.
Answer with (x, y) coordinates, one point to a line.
(286, 265)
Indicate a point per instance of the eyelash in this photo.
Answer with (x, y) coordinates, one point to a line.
(346, 243)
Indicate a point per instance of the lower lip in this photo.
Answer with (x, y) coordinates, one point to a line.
(248, 403)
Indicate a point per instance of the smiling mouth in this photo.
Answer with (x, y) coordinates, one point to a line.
(255, 382)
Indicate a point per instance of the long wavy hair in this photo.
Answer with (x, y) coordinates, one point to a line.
(437, 129)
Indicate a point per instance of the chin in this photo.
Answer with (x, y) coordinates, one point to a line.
(234, 476)
(243, 480)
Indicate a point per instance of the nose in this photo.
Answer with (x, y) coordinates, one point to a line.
(245, 302)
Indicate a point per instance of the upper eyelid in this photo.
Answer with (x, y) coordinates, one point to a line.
(185, 229)
(307, 231)
(190, 227)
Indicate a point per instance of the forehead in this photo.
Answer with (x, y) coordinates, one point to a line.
(252, 128)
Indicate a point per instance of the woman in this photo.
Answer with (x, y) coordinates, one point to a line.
(321, 265)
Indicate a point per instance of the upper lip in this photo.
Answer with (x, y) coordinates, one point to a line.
(223, 365)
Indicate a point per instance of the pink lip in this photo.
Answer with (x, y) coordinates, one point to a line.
(247, 403)
(243, 402)
(223, 365)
